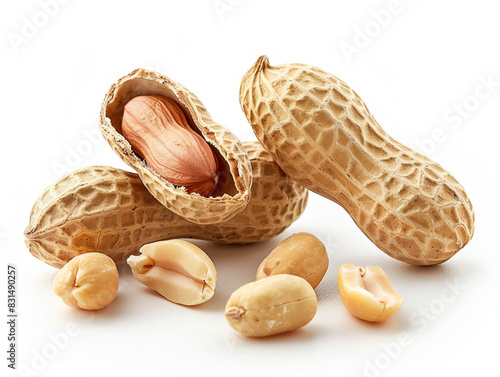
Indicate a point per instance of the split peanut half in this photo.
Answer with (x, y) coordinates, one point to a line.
(367, 293)
(178, 270)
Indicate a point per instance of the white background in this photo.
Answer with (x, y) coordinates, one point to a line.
(419, 64)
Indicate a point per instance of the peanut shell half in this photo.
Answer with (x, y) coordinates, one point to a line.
(235, 170)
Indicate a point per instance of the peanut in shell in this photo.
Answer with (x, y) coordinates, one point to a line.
(321, 133)
(108, 210)
(235, 173)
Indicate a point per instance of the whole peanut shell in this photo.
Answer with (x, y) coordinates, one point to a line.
(108, 210)
(322, 134)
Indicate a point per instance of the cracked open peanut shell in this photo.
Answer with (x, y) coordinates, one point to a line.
(235, 172)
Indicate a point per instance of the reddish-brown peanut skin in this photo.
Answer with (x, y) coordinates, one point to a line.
(159, 132)
(322, 134)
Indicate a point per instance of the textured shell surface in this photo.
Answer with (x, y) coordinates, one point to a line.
(322, 134)
(109, 210)
(235, 175)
